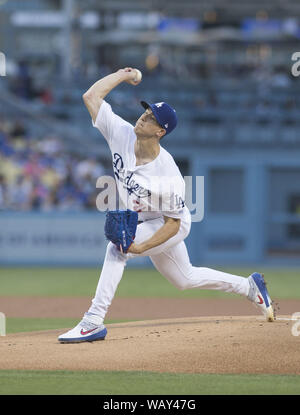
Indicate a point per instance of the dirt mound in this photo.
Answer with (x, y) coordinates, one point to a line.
(245, 344)
(136, 308)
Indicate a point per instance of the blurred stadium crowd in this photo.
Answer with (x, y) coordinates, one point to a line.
(228, 77)
(40, 175)
(224, 65)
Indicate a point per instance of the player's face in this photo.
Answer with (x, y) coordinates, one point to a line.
(147, 124)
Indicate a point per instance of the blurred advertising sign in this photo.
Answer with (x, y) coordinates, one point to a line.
(58, 238)
(269, 28)
(54, 238)
(138, 20)
(172, 24)
(38, 19)
(253, 28)
(52, 19)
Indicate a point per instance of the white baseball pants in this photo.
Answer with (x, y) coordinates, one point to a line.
(171, 259)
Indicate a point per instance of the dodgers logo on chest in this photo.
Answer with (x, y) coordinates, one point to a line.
(126, 177)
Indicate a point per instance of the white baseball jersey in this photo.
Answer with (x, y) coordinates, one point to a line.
(134, 184)
(154, 189)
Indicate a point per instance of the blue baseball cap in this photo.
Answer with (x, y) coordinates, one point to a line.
(164, 114)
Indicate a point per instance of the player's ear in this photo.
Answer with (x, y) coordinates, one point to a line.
(160, 133)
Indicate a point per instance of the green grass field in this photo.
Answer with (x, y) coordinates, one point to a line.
(143, 383)
(282, 283)
(62, 282)
(17, 325)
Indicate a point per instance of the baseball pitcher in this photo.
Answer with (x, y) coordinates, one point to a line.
(154, 220)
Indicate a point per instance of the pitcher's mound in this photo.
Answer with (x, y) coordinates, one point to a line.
(189, 345)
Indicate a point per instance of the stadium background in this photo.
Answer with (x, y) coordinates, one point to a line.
(226, 68)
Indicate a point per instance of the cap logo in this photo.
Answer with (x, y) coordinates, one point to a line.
(166, 125)
(159, 104)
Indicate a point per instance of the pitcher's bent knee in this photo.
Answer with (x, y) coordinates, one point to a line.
(182, 285)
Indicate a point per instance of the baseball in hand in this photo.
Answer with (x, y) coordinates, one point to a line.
(138, 76)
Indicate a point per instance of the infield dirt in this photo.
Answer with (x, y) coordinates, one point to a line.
(230, 344)
(136, 308)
